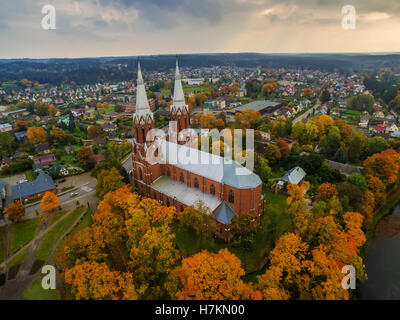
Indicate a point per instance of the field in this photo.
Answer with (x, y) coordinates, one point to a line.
(51, 237)
(22, 233)
(351, 116)
(36, 292)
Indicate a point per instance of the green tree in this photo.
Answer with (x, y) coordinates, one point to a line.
(107, 181)
(7, 144)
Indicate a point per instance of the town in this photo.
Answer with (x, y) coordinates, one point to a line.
(78, 193)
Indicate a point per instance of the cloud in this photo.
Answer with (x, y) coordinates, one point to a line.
(130, 27)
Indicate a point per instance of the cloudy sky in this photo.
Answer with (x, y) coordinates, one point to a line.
(89, 28)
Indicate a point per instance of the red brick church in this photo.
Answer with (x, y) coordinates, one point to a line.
(216, 182)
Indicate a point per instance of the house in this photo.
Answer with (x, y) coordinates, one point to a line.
(77, 112)
(109, 127)
(21, 135)
(5, 127)
(14, 113)
(294, 176)
(100, 141)
(31, 190)
(99, 158)
(364, 120)
(45, 161)
(43, 148)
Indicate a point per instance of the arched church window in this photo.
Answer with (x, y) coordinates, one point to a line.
(182, 178)
(231, 197)
(212, 190)
(196, 183)
(140, 175)
(168, 172)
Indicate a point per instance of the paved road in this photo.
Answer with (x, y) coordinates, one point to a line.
(65, 198)
(306, 114)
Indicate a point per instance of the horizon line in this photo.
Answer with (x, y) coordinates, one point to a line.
(212, 53)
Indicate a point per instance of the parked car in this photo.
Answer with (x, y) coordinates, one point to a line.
(73, 194)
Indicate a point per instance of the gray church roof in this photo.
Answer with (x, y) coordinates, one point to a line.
(184, 194)
(42, 183)
(224, 214)
(208, 165)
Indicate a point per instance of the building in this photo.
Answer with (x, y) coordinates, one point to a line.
(31, 190)
(45, 161)
(262, 106)
(175, 183)
(294, 176)
(5, 127)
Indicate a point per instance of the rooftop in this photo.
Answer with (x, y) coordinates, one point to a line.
(42, 183)
(184, 194)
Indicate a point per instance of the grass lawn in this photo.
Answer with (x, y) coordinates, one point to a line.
(273, 223)
(55, 216)
(19, 258)
(22, 233)
(52, 236)
(3, 243)
(30, 175)
(85, 222)
(36, 292)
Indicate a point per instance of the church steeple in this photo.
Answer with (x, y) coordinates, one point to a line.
(142, 103)
(179, 109)
(143, 118)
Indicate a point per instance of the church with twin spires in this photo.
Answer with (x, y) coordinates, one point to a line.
(214, 183)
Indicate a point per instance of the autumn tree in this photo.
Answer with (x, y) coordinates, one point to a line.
(287, 264)
(85, 154)
(298, 208)
(200, 219)
(384, 165)
(37, 134)
(94, 131)
(93, 280)
(326, 191)
(283, 148)
(273, 154)
(49, 201)
(108, 180)
(15, 211)
(128, 235)
(246, 118)
(378, 188)
(212, 276)
(58, 134)
(307, 92)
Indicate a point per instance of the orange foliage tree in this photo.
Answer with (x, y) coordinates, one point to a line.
(384, 165)
(37, 134)
(96, 281)
(15, 211)
(378, 188)
(127, 234)
(212, 276)
(326, 191)
(49, 201)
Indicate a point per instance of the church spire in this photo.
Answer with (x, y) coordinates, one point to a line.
(142, 103)
(179, 97)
